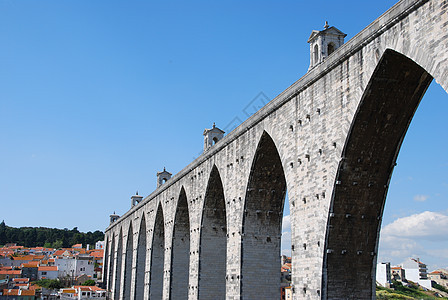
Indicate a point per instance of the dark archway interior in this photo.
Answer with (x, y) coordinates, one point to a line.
(128, 265)
(385, 111)
(180, 263)
(263, 214)
(157, 257)
(213, 250)
(141, 261)
(118, 268)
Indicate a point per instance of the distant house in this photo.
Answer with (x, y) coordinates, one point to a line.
(85, 265)
(99, 245)
(82, 293)
(10, 274)
(98, 263)
(417, 272)
(29, 270)
(440, 277)
(397, 273)
(383, 274)
(47, 272)
(18, 294)
(286, 293)
(77, 246)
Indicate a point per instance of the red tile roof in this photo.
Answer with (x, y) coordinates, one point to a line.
(11, 272)
(14, 292)
(48, 268)
(28, 293)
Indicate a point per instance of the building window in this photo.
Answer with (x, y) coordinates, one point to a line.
(330, 48)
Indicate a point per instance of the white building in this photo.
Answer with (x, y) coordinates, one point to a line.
(85, 265)
(417, 272)
(66, 266)
(383, 274)
(47, 272)
(82, 293)
(99, 245)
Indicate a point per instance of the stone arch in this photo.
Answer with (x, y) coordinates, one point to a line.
(106, 262)
(180, 261)
(119, 262)
(157, 256)
(213, 241)
(128, 264)
(112, 265)
(378, 128)
(141, 261)
(262, 223)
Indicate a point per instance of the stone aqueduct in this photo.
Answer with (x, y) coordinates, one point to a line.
(330, 141)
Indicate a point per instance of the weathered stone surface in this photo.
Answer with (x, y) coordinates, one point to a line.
(330, 139)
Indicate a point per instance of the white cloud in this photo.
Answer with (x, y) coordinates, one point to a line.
(286, 225)
(286, 243)
(421, 198)
(286, 236)
(423, 235)
(426, 225)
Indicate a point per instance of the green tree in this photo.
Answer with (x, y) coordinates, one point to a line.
(89, 282)
(57, 244)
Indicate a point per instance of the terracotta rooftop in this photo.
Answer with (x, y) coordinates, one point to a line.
(48, 268)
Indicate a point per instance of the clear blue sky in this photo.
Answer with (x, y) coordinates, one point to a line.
(97, 96)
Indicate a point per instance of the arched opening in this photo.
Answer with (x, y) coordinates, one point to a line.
(180, 262)
(262, 224)
(112, 264)
(370, 152)
(286, 258)
(164, 180)
(117, 290)
(157, 257)
(215, 140)
(128, 265)
(106, 264)
(141, 261)
(330, 48)
(316, 54)
(213, 250)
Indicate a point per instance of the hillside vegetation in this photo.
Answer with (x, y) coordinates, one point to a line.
(47, 237)
(404, 292)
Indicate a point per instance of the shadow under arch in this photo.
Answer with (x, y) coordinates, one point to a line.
(180, 262)
(262, 223)
(213, 241)
(128, 264)
(370, 151)
(157, 257)
(119, 260)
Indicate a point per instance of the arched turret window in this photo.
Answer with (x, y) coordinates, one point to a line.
(316, 54)
(330, 48)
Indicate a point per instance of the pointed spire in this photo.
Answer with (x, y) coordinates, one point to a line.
(136, 193)
(214, 125)
(164, 170)
(326, 25)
